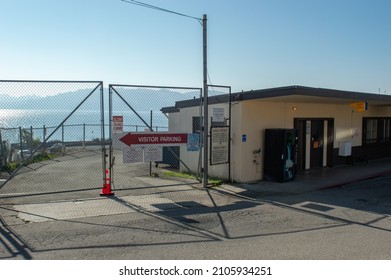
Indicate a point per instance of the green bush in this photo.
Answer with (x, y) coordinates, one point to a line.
(12, 166)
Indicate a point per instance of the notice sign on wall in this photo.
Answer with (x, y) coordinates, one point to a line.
(219, 145)
(218, 114)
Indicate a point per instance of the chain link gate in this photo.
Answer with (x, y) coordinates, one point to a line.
(150, 147)
(52, 136)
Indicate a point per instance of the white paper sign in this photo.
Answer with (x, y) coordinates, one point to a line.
(218, 114)
(133, 155)
(154, 153)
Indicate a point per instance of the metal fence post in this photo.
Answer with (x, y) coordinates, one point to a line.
(84, 136)
(2, 160)
(44, 138)
(62, 134)
(21, 142)
(31, 139)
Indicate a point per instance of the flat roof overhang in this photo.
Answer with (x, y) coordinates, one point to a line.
(299, 94)
(291, 94)
(322, 100)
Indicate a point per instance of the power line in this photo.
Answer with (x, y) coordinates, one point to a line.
(145, 5)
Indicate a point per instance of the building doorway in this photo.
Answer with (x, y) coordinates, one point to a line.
(315, 142)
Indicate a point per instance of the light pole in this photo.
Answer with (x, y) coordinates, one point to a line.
(205, 79)
(205, 100)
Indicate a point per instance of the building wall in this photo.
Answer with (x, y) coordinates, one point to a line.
(251, 118)
(258, 115)
(182, 122)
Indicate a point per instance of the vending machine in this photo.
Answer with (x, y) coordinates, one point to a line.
(280, 154)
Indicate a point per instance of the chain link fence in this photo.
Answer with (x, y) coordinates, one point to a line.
(220, 130)
(151, 146)
(52, 136)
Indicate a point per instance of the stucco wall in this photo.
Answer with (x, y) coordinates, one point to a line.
(183, 122)
(251, 118)
(257, 115)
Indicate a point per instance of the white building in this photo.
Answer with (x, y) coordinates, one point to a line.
(328, 122)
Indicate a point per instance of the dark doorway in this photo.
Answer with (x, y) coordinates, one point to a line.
(312, 148)
(317, 141)
(301, 135)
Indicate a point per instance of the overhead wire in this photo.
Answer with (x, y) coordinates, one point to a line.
(213, 90)
(145, 5)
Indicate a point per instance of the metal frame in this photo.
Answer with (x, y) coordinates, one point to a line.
(99, 85)
(230, 126)
(111, 90)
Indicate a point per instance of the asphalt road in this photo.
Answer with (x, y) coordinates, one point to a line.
(349, 222)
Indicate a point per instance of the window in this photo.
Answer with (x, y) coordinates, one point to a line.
(376, 130)
(197, 124)
(387, 124)
(371, 131)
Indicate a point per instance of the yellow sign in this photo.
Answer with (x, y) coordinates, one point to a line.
(360, 106)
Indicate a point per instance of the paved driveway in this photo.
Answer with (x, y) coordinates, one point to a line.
(184, 222)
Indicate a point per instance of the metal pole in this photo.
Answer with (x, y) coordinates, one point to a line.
(229, 135)
(103, 139)
(2, 162)
(199, 171)
(205, 76)
(150, 163)
(44, 138)
(84, 135)
(21, 142)
(62, 135)
(31, 139)
(109, 181)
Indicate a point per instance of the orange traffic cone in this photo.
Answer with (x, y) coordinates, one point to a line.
(106, 190)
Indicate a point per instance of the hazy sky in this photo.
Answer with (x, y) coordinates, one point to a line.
(252, 44)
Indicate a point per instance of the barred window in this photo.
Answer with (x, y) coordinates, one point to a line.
(371, 131)
(376, 130)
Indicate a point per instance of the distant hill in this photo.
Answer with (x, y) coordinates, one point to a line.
(139, 99)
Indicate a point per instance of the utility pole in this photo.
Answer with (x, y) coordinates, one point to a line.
(205, 100)
(205, 77)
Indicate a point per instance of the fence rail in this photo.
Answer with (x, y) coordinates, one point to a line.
(21, 141)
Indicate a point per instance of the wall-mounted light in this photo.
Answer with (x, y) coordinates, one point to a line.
(294, 108)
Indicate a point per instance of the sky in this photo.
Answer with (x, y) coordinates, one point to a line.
(252, 44)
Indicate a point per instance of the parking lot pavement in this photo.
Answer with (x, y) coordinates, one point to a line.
(349, 222)
(36, 213)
